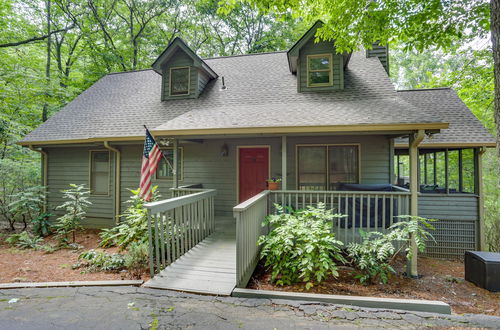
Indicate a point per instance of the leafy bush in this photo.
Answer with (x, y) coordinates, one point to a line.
(101, 261)
(301, 247)
(76, 208)
(24, 240)
(28, 204)
(136, 260)
(134, 227)
(41, 225)
(374, 255)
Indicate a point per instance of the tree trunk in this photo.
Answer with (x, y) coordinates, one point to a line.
(495, 40)
(47, 66)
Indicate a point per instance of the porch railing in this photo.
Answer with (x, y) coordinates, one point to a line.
(249, 216)
(366, 210)
(177, 224)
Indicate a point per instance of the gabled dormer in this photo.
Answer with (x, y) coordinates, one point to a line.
(317, 65)
(184, 74)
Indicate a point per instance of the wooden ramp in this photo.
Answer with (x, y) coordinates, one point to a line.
(208, 268)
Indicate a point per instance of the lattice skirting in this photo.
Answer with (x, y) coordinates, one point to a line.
(453, 238)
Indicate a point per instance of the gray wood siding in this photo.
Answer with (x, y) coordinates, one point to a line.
(202, 81)
(179, 59)
(311, 48)
(382, 52)
(448, 207)
(71, 165)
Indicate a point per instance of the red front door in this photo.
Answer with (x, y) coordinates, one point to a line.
(253, 171)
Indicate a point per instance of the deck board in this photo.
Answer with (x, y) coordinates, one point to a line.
(208, 268)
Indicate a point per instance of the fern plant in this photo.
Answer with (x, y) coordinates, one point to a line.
(134, 227)
(373, 257)
(76, 208)
(24, 240)
(301, 247)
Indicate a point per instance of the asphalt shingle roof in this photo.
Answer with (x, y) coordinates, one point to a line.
(261, 92)
(445, 103)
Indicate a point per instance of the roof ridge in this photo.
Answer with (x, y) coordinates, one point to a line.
(422, 89)
(241, 55)
(129, 71)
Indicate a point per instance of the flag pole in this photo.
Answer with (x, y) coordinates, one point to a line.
(165, 158)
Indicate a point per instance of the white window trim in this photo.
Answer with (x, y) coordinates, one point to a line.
(170, 80)
(180, 169)
(330, 70)
(91, 158)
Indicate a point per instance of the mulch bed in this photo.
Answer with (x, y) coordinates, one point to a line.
(17, 265)
(442, 280)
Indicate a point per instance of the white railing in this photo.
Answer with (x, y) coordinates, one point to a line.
(366, 210)
(249, 216)
(177, 224)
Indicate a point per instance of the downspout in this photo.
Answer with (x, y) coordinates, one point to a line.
(415, 140)
(45, 157)
(117, 179)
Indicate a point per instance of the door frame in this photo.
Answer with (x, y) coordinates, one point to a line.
(238, 147)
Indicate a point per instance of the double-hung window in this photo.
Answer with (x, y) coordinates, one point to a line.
(99, 172)
(319, 70)
(326, 167)
(179, 80)
(165, 168)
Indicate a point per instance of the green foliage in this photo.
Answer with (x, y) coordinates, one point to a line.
(300, 246)
(42, 225)
(374, 255)
(24, 240)
(101, 261)
(76, 208)
(134, 227)
(136, 260)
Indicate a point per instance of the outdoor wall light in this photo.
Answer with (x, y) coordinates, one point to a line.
(224, 150)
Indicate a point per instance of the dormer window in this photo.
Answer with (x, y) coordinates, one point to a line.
(179, 80)
(319, 70)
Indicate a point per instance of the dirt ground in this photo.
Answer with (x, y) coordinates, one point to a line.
(17, 265)
(442, 280)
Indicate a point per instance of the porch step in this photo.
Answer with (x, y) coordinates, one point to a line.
(208, 268)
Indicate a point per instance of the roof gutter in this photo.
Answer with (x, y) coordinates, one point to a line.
(44, 165)
(117, 179)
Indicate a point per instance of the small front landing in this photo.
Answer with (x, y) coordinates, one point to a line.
(208, 268)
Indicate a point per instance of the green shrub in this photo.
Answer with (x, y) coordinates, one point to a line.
(133, 228)
(27, 204)
(136, 260)
(101, 261)
(24, 240)
(300, 246)
(373, 257)
(41, 225)
(76, 208)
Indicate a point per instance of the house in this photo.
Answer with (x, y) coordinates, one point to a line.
(331, 125)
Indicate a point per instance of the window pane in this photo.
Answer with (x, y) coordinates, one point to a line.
(343, 165)
(320, 77)
(319, 63)
(312, 168)
(179, 81)
(164, 170)
(100, 173)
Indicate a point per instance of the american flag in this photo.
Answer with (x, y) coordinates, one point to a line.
(150, 160)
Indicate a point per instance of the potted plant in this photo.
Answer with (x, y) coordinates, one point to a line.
(273, 183)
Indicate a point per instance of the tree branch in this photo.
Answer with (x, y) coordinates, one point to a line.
(17, 43)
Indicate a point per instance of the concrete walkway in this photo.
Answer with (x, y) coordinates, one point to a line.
(141, 308)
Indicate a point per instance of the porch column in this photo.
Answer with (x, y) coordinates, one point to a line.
(414, 141)
(174, 169)
(283, 163)
(478, 190)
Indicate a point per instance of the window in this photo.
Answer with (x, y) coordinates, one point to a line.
(164, 170)
(319, 70)
(99, 172)
(325, 167)
(179, 81)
